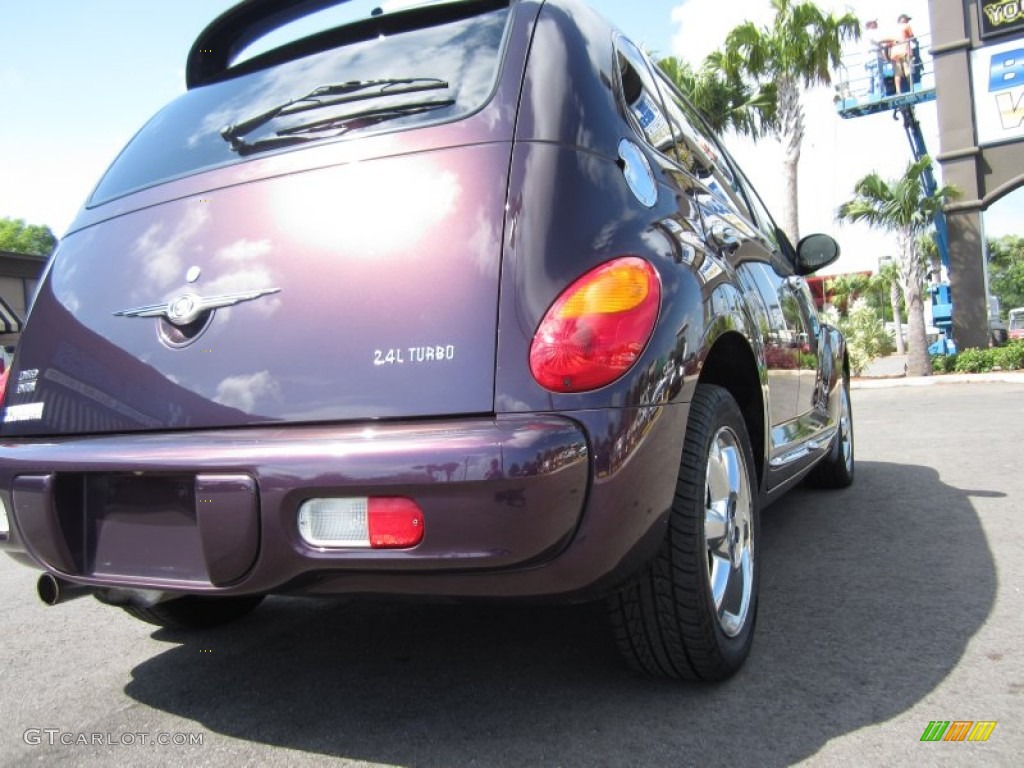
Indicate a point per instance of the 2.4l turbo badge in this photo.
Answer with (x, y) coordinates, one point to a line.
(24, 412)
(402, 355)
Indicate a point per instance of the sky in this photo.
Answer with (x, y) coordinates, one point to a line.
(79, 78)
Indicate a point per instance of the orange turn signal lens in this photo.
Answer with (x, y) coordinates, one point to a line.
(598, 328)
(619, 288)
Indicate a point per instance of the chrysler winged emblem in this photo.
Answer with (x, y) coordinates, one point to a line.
(187, 307)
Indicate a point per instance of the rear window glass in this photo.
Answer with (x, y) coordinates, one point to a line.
(438, 74)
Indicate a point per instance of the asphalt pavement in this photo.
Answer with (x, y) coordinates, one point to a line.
(885, 606)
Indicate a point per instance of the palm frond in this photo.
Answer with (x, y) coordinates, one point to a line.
(896, 204)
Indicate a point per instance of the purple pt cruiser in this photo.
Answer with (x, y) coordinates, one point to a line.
(458, 300)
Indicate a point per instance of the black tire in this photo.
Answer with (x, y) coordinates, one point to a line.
(196, 611)
(836, 470)
(665, 621)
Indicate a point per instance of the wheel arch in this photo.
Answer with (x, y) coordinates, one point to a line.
(730, 363)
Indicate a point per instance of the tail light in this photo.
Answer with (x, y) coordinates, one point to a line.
(598, 328)
(3, 384)
(377, 522)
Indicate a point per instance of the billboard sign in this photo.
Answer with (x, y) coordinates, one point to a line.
(1000, 17)
(998, 72)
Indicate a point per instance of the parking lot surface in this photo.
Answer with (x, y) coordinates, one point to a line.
(884, 607)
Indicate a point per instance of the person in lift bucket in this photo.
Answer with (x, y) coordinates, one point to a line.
(901, 52)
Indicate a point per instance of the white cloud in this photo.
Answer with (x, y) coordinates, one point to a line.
(704, 24)
(245, 251)
(244, 265)
(161, 252)
(47, 184)
(243, 392)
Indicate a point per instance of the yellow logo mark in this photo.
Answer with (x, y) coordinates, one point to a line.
(1006, 12)
(982, 730)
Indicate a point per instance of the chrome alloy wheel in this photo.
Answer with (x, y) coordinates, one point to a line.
(729, 531)
(846, 429)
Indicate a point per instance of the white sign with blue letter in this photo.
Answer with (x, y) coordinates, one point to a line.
(999, 91)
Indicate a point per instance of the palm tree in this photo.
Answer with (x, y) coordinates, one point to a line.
(930, 253)
(844, 289)
(726, 102)
(795, 53)
(901, 206)
(887, 281)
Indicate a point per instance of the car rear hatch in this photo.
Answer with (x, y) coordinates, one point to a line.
(351, 278)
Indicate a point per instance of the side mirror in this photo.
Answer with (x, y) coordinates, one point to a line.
(815, 252)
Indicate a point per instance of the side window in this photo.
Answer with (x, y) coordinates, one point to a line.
(783, 253)
(767, 224)
(763, 218)
(698, 150)
(809, 311)
(641, 99)
(784, 311)
(768, 288)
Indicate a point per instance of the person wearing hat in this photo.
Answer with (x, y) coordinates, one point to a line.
(902, 53)
(878, 55)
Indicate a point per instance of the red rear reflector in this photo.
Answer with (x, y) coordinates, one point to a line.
(394, 523)
(598, 327)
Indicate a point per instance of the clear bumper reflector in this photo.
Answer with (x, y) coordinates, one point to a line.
(334, 522)
(376, 522)
(5, 524)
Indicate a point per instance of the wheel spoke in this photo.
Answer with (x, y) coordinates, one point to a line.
(715, 527)
(732, 611)
(719, 481)
(721, 571)
(733, 468)
(728, 531)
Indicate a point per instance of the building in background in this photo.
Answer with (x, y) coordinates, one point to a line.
(19, 277)
(978, 50)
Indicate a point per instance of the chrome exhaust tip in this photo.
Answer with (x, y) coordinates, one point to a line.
(53, 590)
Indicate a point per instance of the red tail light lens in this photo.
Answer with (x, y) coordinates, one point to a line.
(394, 523)
(598, 327)
(3, 383)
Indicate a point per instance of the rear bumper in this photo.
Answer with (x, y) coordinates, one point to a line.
(504, 503)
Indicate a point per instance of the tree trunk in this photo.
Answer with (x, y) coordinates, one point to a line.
(791, 136)
(911, 276)
(897, 317)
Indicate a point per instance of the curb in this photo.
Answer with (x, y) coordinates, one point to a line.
(1008, 377)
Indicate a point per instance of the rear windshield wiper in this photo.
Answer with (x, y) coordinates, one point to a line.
(330, 95)
(334, 126)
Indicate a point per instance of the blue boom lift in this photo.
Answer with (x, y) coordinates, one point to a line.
(867, 86)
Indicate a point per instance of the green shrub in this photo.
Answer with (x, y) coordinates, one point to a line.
(866, 337)
(974, 361)
(1010, 357)
(943, 363)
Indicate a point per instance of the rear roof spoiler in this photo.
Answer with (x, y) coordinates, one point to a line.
(229, 34)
